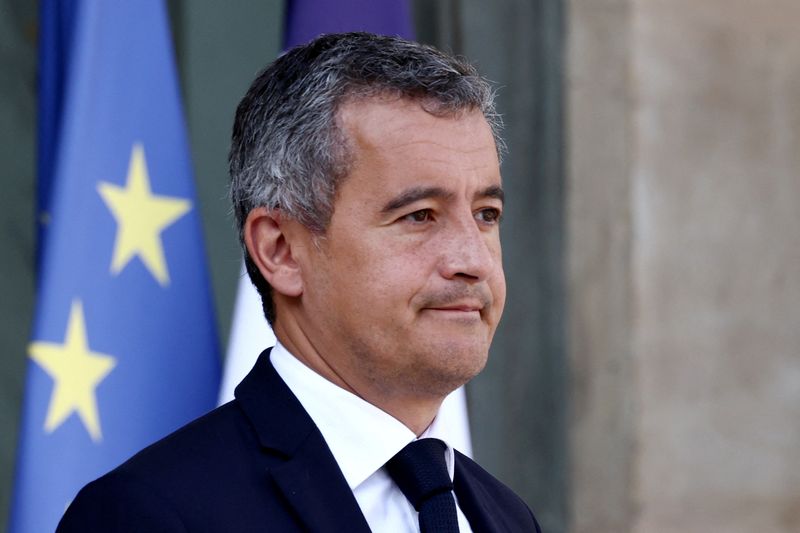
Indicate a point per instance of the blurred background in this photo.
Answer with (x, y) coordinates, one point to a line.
(646, 375)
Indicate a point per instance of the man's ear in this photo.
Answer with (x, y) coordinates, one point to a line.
(270, 249)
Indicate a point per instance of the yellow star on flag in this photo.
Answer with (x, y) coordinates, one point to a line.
(141, 217)
(76, 371)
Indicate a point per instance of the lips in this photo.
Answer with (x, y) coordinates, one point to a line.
(458, 300)
(465, 308)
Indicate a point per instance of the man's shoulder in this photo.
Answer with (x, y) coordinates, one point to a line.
(479, 488)
(122, 501)
(167, 485)
(215, 437)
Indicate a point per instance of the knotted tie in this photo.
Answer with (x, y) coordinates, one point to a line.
(420, 471)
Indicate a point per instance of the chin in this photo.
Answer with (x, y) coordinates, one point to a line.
(432, 367)
(445, 369)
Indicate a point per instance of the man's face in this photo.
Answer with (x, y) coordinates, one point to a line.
(403, 293)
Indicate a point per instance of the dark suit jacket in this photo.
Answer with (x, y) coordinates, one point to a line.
(258, 463)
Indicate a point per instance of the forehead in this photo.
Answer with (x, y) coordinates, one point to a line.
(371, 117)
(401, 132)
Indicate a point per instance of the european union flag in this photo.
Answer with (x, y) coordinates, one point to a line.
(124, 348)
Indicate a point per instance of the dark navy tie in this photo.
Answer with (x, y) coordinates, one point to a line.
(420, 471)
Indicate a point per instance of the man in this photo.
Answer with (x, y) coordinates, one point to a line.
(367, 191)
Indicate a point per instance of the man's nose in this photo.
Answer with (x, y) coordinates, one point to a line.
(468, 252)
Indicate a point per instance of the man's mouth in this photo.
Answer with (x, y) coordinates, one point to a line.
(461, 299)
(460, 307)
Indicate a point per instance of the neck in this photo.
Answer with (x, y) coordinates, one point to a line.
(416, 411)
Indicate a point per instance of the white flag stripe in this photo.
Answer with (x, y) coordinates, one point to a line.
(251, 334)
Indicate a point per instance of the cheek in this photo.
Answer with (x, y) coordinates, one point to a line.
(388, 255)
(497, 283)
(499, 293)
(371, 271)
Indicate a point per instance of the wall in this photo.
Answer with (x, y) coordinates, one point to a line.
(684, 180)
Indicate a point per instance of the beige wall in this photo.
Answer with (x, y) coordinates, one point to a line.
(684, 256)
(599, 240)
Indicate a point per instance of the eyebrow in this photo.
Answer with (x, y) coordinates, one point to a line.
(421, 193)
(494, 191)
(413, 195)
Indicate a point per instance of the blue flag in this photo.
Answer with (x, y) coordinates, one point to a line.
(56, 26)
(307, 19)
(124, 348)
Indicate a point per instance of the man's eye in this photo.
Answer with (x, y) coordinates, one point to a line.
(423, 215)
(489, 215)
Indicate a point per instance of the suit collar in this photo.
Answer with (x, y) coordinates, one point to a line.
(308, 476)
(314, 486)
(277, 416)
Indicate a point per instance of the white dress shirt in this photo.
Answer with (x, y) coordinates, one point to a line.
(362, 438)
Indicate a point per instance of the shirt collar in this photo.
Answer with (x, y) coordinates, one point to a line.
(437, 431)
(361, 437)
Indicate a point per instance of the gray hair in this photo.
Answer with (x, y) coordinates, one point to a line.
(288, 151)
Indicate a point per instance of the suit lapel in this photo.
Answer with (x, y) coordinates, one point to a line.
(314, 486)
(475, 501)
(308, 475)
